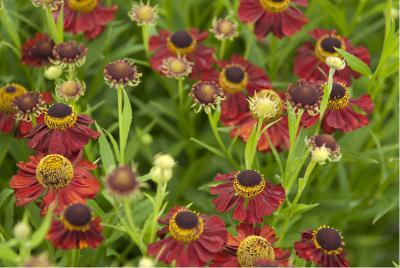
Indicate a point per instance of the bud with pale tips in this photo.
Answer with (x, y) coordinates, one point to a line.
(323, 148)
(335, 63)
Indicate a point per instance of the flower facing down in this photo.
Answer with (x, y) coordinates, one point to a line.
(206, 95)
(252, 247)
(248, 194)
(323, 148)
(279, 17)
(121, 73)
(143, 14)
(55, 177)
(340, 114)
(63, 132)
(182, 43)
(238, 78)
(189, 238)
(7, 95)
(122, 181)
(37, 51)
(87, 16)
(76, 229)
(324, 247)
(310, 61)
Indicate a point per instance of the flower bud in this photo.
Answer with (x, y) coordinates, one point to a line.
(164, 161)
(146, 262)
(22, 231)
(53, 72)
(160, 175)
(335, 63)
(146, 139)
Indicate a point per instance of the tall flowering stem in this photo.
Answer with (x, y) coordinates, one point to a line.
(145, 38)
(325, 98)
(55, 32)
(222, 49)
(120, 90)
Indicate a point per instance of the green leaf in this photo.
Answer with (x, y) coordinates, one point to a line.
(106, 153)
(4, 195)
(114, 143)
(249, 147)
(40, 234)
(7, 254)
(208, 147)
(355, 63)
(126, 121)
(385, 208)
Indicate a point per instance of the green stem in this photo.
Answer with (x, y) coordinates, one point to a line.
(9, 26)
(33, 119)
(52, 26)
(157, 206)
(121, 150)
(222, 49)
(180, 91)
(325, 98)
(145, 39)
(132, 230)
(253, 150)
(76, 254)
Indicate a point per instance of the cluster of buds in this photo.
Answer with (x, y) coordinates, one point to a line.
(161, 172)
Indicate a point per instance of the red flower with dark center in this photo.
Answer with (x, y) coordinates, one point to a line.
(55, 177)
(182, 43)
(37, 51)
(310, 58)
(340, 114)
(86, 16)
(76, 229)
(188, 238)
(277, 16)
(251, 247)
(248, 194)
(239, 79)
(7, 110)
(63, 132)
(323, 246)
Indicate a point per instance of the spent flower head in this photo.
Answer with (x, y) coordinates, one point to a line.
(323, 147)
(143, 14)
(335, 63)
(71, 89)
(52, 4)
(176, 67)
(206, 95)
(122, 73)
(266, 104)
(224, 28)
(122, 181)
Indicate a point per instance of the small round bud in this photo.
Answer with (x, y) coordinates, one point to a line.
(159, 175)
(147, 139)
(22, 231)
(53, 72)
(146, 262)
(335, 63)
(164, 161)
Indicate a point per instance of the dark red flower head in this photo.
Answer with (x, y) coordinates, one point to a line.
(76, 229)
(310, 58)
(63, 132)
(86, 16)
(182, 43)
(70, 53)
(277, 16)
(324, 247)
(55, 177)
(248, 194)
(189, 238)
(38, 51)
(252, 247)
(306, 95)
(340, 114)
(238, 78)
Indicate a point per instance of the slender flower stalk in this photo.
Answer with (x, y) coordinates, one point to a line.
(120, 90)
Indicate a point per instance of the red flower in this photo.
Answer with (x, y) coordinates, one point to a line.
(56, 177)
(7, 110)
(75, 229)
(252, 246)
(37, 51)
(235, 76)
(278, 17)
(248, 194)
(323, 246)
(188, 238)
(87, 16)
(340, 114)
(63, 132)
(182, 43)
(310, 58)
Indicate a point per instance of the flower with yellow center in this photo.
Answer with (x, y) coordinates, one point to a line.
(7, 95)
(252, 249)
(143, 14)
(326, 45)
(339, 97)
(60, 116)
(233, 78)
(266, 104)
(176, 67)
(248, 183)
(328, 239)
(84, 6)
(76, 217)
(54, 171)
(181, 43)
(185, 226)
(275, 6)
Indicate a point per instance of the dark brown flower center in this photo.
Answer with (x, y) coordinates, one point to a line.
(277, 1)
(10, 89)
(325, 139)
(27, 102)
(186, 220)
(305, 93)
(249, 178)
(78, 215)
(59, 110)
(43, 49)
(205, 93)
(120, 70)
(330, 43)
(338, 91)
(234, 74)
(69, 50)
(122, 180)
(181, 39)
(329, 239)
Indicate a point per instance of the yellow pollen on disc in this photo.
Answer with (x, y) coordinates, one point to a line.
(252, 249)
(84, 6)
(7, 94)
(185, 235)
(225, 27)
(274, 6)
(177, 66)
(145, 13)
(54, 171)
